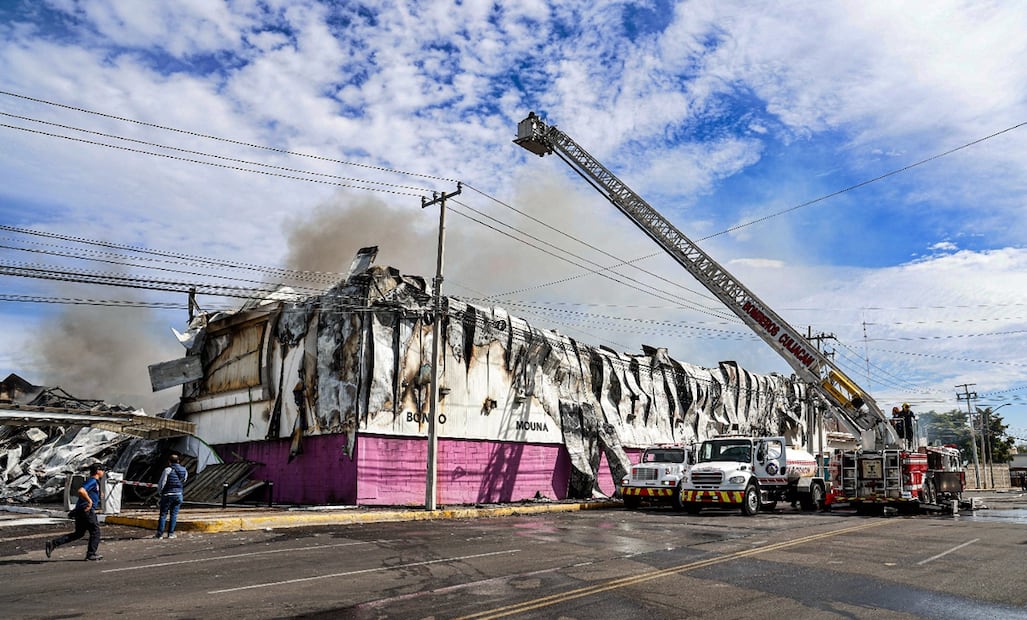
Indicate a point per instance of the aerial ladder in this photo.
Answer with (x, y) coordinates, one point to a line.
(849, 403)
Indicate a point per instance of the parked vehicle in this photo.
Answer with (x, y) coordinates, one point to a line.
(657, 477)
(752, 473)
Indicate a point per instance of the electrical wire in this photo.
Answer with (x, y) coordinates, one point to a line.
(630, 263)
(802, 205)
(199, 260)
(220, 139)
(602, 272)
(203, 154)
(210, 163)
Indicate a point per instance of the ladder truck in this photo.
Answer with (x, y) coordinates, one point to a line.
(848, 403)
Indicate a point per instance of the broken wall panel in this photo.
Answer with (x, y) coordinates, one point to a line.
(235, 355)
(41, 471)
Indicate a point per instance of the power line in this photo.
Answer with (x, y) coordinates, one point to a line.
(949, 337)
(210, 163)
(630, 263)
(199, 153)
(564, 258)
(802, 205)
(220, 139)
(218, 263)
(124, 263)
(602, 272)
(869, 181)
(949, 358)
(203, 154)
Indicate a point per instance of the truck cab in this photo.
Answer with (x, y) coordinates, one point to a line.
(657, 477)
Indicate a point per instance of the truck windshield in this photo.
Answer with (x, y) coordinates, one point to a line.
(664, 456)
(734, 451)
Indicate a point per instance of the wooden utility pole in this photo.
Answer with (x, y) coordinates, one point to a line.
(430, 492)
(969, 397)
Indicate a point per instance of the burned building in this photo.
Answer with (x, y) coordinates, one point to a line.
(330, 395)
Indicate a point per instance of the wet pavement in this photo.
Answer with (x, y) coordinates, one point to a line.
(1005, 505)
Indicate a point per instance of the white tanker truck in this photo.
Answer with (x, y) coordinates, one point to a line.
(751, 473)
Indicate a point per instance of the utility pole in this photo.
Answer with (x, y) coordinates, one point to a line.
(818, 338)
(817, 415)
(969, 397)
(989, 457)
(430, 492)
(989, 473)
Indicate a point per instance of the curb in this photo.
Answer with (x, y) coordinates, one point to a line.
(239, 523)
(25, 510)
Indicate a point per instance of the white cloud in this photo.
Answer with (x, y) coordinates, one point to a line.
(768, 96)
(944, 246)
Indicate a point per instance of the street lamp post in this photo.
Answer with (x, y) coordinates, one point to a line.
(984, 450)
(990, 457)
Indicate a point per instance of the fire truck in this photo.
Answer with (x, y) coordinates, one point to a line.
(657, 476)
(897, 478)
(907, 477)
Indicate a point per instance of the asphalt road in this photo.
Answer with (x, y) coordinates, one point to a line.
(652, 563)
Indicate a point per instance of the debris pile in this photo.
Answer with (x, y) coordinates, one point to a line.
(35, 461)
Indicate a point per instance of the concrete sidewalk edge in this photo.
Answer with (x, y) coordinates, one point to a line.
(242, 522)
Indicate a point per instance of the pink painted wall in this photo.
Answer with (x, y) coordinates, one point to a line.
(323, 474)
(391, 471)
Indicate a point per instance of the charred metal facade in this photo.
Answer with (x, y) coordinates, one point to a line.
(331, 395)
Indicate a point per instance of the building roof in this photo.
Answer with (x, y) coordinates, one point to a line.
(127, 422)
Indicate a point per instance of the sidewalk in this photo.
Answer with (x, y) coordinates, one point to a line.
(242, 518)
(235, 519)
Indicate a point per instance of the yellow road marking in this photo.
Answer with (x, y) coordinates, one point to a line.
(623, 582)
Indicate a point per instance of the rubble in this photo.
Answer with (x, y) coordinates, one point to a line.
(35, 462)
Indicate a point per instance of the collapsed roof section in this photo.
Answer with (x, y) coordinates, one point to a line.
(35, 462)
(25, 405)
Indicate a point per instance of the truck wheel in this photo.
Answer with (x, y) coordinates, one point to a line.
(631, 502)
(814, 499)
(676, 501)
(751, 500)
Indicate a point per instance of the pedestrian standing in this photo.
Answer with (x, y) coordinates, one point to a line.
(171, 485)
(86, 507)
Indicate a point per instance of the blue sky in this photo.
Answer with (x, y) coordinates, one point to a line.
(724, 117)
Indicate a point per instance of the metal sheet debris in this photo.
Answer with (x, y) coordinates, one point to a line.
(47, 434)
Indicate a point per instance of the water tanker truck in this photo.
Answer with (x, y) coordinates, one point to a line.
(751, 473)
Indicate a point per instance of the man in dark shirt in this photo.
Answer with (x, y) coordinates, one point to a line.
(85, 515)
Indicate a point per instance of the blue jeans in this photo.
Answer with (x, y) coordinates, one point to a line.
(169, 503)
